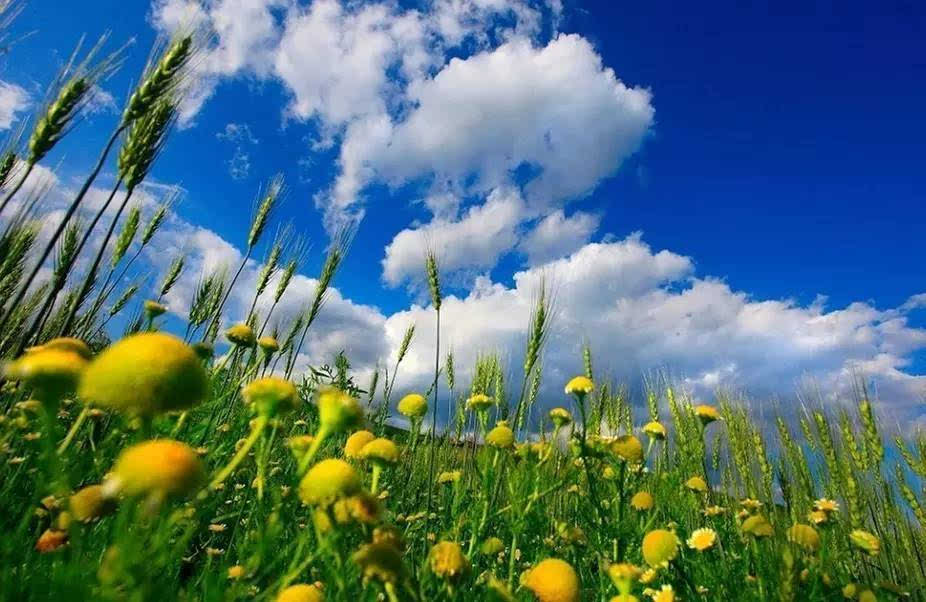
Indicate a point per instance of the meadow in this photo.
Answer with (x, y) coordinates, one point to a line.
(207, 464)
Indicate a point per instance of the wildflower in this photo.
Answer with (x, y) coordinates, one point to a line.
(355, 443)
(446, 560)
(241, 335)
(804, 536)
(337, 410)
(90, 503)
(642, 501)
(867, 596)
(500, 437)
(71, 344)
(608, 473)
(479, 402)
(51, 540)
(560, 417)
(580, 386)
(301, 593)
(160, 467)
(380, 451)
(628, 448)
(648, 575)
(702, 539)
(706, 414)
(271, 395)
(825, 505)
(865, 541)
(145, 374)
(663, 594)
(757, 526)
(492, 546)
(268, 345)
(236, 572)
(659, 547)
(817, 517)
(362, 508)
(713, 510)
(553, 580)
(449, 476)
(380, 561)
(413, 405)
(696, 484)
(655, 430)
(328, 481)
(623, 576)
(153, 309)
(389, 535)
(751, 505)
(52, 372)
(299, 444)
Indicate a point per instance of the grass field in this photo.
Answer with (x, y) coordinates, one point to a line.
(207, 465)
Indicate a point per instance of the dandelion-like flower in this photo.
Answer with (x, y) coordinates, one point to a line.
(492, 546)
(329, 481)
(804, 536)
(642, 501)
(663, 594)
(337, 410)
(72, 344)
(702, 539)
(53, 373)
(826, 505)
(446, 560)
(381, 451)
(153, 309)
(449, 477)
(302, 592)
(145, 374)
(628, 448)
(500, 437)
(706, 414)
(757, 526)
(623, 576)
(90, 503)
(553, 580)
(655, 430)
(696, 484)
(355, 443)
(660, 546)
(865, 541)
(580, 386)
(160, 467)
(560, 417)
(380, 561)
(413, 406)
(271, 395)
(241, 335)
(268, 345)
(479, 402)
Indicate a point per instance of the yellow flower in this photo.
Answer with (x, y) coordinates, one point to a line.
(301, 593)
(751, 505)
(329, 481)
(624, 598)
(804, 536)
(337, 410)
(713, 511)
(757, 526)
(500, 437)
(706, 414)
(492, 546)
(664, 594)
(560, 417)
(655, 430)
(271, 395)
(356, 442)
(449, 476)
(865, 541)
(236, 572)
(361, 508)
(580, 386)
(659, 547)
(642, 501)
(268, 345)
(702, 539)
(153, 309)
(446, 560)
(817, 517)
(479, 402)
(380, 561)
(145, 374)
(553, 580)
(67, 344)
(623, 575)
(628, 448)
(381, 451)
(241, 334)
(52, 372)
(413, 405)
(90, 503)
(696, 484)
(161, 467)
(825, 505)
(867, 596)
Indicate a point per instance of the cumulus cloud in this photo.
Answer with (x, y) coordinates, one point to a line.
(13, 100)
(557, 235)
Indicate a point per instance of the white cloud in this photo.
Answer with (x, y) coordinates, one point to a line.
(241, 138)
(13, 100)
(557, 235)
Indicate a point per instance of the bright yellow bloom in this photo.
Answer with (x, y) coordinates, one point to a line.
(500, 437)
(145, 374)
(160, 467)
(154, 309)
(664, 594)
(702, 539)
(560, 417)
(268, 345)
(479, 402)
(380, 451)
(360, 508)
(804, 536)
(271, 395)
(413, 405)
(337, 410)
(659, 547)
(696, 484)
(90, 503)
(449, 476)
(329, 481)
(623, 575)
(446, 560)
(865, 541)
(642, 501)
(52, 372)
(553, 580)
(757, 526)
(236, 572)
(817, 517)
(713, 510)
(492, 546)
(301, 593)
(655, 430)
(867, 596)
(706, 414)
(241, 334)
(750, 504)
(355, 443)
(628, 448)
(826, 505)
(580, 385)
(71, 344)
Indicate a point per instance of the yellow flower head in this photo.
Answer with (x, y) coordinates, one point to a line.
(360, 508)
(553, 580)
(655, 430)
(757, 526)
(804, 536)
(52, 372)
(865, 541)
(337, 410)
(702, 539)
(624, 598)
(492, 546)
(300, 443)
(560, 417)
(660, 546)
(623, 576)
(713, 510)
(329, 481)
(162, 467)
(413, 405)
(449, 476)
(642, 501)
(867, 596)
(750, 504)
(355, 443)
(154, 309)
(706, 414)
(380, 561)
(446, 560)
(826, 505)
(628, 448)
(580, 386)
(271, 395)
(817, 517)
(90, 503)
(380, 451)
(301, 593)
(389, 535)
(268, 345)
(236, 572)
(663, 594)
(696, 484)
(241, 335)
(479, 402)
(67, 344)
(145, 374)
(500, 437)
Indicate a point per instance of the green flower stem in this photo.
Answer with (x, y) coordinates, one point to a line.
(320, 436)
(256, 431)
(72, 432)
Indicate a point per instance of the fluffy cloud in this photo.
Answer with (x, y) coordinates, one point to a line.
(557, 235)
(13, 100)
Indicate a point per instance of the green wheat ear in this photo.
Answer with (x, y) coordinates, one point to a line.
(160, 79)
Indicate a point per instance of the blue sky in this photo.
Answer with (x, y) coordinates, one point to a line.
(771, 156)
